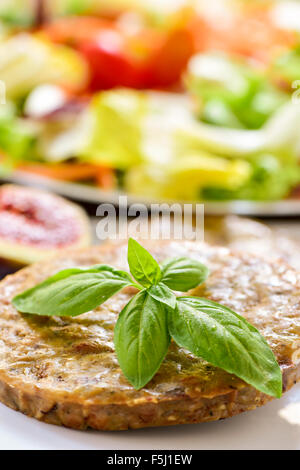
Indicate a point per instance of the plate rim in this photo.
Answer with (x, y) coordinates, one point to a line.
(88, 194)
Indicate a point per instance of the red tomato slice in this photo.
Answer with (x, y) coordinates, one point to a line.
(151, 58)
(109, 63)
(167, 62)
(161, 63)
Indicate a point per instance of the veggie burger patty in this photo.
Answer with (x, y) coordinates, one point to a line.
(65, 371)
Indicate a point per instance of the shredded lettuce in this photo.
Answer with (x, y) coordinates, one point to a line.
(231, 93)
(17, 137)
(279, 136)
(16, 143)
(16, 13)
(163, 151)
(270, 180)
(211, 163)
(184, 178)
(116, 134)
(27, 61)
(287, 65)
(212, 178)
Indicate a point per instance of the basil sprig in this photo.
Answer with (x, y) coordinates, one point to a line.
(154, 315)
(72, 292)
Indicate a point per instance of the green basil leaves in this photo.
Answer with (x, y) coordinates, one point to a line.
(142, 265)
(73, 291)
(154, 315)
(142, 338)
(183, 274)
(226, 340)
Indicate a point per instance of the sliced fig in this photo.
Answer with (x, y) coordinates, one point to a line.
(35, 224)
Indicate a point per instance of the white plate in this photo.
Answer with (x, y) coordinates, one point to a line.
(90, 194)
(263, 428)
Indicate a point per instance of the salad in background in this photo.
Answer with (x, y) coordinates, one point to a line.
(161, 102)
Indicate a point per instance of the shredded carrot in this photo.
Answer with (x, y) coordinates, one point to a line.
(104, 177)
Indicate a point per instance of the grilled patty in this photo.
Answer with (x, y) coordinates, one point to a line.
(251, 236)
(64, 370)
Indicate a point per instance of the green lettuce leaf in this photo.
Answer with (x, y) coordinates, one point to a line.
(232, 93)
(116, 137)
(17, 138)
(271, 179)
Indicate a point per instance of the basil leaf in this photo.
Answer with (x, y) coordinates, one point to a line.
(226, 340)
(142, 265)
(163, 294)
(72, 292)
(183, 274)
(141, 338)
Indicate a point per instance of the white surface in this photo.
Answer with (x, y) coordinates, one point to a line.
(265, 428)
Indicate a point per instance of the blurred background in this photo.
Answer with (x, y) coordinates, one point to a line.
(169, 100)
